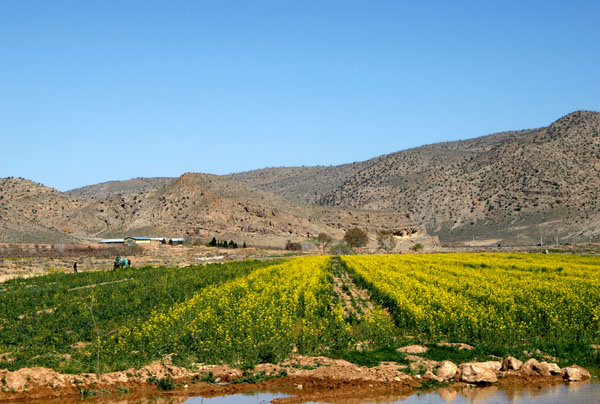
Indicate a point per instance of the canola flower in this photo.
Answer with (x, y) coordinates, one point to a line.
(256, 318)
(501, 298)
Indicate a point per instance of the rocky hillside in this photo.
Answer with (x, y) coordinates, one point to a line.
(23, 206)
(115, 188)
(511, 187)
(193, 205)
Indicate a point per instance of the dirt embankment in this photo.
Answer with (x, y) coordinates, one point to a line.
(304, 378)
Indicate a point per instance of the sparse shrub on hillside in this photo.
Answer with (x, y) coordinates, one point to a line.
(324, 240)
(341, 249)
(386, 240)
(417, 247)
(291, 246)
(356, 237)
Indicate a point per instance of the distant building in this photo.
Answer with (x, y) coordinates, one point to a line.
(144, 241)
(112, 241)
(177, 241)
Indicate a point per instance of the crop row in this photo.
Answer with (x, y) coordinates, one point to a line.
(49, 320)
(491, 298)
(251, 319)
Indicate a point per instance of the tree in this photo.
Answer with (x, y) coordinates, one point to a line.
(290, 246)
(356, 237)
(386, 240)
(244, 245)
(213, 242)
(417, 247)
(324, 239)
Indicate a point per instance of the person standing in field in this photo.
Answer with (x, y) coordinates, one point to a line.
(75, 267)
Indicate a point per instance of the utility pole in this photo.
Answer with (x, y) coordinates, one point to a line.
(541, 241)
(557, 241)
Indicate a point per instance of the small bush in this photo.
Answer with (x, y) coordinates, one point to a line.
(417, 247)
(291, 246)
(324, 240)
(164, 383)
(341, 249)
(356, 237)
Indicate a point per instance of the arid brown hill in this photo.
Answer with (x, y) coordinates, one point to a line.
(115, 188)
(513, 187)
(193, 205)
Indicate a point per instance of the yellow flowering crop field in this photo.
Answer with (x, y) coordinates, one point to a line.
(356, 307)
(257, 318)
(507, 299)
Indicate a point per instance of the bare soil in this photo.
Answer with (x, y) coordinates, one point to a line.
(354, 300)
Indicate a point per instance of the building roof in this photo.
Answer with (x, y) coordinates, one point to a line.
(157, 238)
(177, 239)
(113, 240)
(137, 238)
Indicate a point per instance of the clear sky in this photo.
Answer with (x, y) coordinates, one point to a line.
(94, 91)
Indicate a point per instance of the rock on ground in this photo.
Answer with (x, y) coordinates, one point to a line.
(447, 370)
(413, 349)
(575, 373)
(461, 346)
(511, 363)
(477, 372)
(529, 366)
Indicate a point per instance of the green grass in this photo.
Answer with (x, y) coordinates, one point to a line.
(374, 357)
(42, 317)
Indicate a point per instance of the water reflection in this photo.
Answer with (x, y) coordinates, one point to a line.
(573, 393)
(249, 398)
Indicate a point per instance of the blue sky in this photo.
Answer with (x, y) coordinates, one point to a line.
(93, 91)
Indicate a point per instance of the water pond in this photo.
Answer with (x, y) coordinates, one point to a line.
(573, 393)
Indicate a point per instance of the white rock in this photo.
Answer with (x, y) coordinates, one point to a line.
(511, 363)
(477, 372)
(447, 370)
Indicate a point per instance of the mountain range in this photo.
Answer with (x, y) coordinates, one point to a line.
(510, 188)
